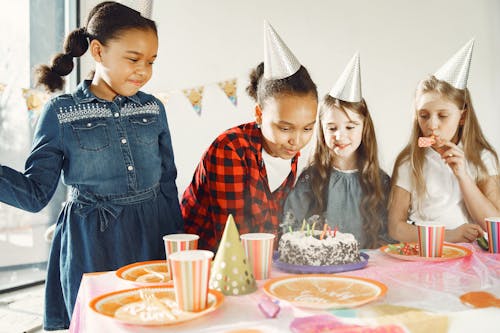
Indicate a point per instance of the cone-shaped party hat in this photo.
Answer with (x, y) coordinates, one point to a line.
(456, 70)
(231, 273)
(145, 7)
(279, 61)
(348, 86)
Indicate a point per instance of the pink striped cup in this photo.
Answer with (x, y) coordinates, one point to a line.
(492, 228)
(430, 240)
(179, 242)
(259, 251)
(191, 272)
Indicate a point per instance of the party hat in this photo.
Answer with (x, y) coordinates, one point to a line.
(348, 86)
(456, 70)
(145, 7)
(231, 273)
(279, 61)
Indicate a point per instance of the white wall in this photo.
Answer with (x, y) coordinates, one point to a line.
(400, 41)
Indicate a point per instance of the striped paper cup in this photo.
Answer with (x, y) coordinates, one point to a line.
(191, 272)
(430, 240)
(259, 251)
(492, 226)
(179, 242)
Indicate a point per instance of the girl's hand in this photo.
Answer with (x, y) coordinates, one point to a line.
(454, 157)
(466, 233)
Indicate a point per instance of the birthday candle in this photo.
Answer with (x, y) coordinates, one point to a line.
(324, 232)
(303, 225)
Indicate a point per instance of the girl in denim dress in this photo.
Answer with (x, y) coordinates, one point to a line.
(112, 145)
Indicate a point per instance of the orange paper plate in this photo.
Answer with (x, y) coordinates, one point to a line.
(450, 252)
(145, 273)
(128, 306)
(325, 291)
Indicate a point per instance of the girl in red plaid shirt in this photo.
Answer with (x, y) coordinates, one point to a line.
(249, 169)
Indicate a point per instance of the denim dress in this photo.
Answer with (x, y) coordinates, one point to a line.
(116, 159)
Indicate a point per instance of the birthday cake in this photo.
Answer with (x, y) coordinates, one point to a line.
(310, 248)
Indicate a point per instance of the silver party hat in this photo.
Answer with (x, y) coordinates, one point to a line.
(348, 86)
(145, 7)
(456, 70)
(279, 61)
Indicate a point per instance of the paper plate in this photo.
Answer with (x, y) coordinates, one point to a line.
(325, 291)
(145, 273)
(309, 269)
(129, 306)
(450, 252)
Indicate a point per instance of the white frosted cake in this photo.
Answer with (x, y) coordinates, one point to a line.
(300, 248)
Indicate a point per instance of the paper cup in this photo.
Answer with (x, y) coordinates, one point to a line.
(179, 242)
(492, 228)
(191, 272)
(430, 240)
(259, 251)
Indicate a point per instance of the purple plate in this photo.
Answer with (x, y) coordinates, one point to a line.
(308, 269)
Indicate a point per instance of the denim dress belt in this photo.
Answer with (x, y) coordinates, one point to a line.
(108, 206)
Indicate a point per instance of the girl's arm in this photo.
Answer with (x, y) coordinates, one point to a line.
(399, 229)
(32, 189)
(217, 190)
(483, 199)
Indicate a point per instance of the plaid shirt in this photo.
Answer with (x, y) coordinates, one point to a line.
(232, 179)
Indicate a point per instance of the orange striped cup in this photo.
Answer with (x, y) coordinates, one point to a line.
(430, 240)
(191, 272)
(259, 250)
(179, 242)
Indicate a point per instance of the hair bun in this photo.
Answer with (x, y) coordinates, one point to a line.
(62, 64)
(76, 44)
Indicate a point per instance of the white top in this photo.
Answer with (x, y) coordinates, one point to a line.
(443, 203)
(277, 169)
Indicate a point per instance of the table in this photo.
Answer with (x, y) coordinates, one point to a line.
(422, 296)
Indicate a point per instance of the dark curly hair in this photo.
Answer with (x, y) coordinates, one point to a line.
(300, 83)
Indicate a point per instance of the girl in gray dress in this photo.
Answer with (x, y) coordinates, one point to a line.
(344, 184)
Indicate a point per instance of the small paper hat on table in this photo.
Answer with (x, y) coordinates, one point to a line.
(231, 272)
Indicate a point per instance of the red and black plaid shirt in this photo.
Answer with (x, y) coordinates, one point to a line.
(231, 179)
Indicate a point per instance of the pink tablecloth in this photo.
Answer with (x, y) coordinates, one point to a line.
(421, 296)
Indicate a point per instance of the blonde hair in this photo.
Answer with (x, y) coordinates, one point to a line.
(321, 165)
(469, 134)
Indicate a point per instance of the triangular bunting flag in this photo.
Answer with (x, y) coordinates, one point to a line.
(195, 95)
(230, 88)
(231, 272)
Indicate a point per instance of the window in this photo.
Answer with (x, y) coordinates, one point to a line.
(31, 32)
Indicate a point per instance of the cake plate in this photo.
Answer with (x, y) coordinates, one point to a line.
(309, 269)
